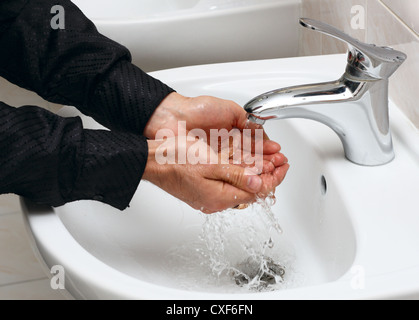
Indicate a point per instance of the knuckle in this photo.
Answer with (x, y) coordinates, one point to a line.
(237, 177)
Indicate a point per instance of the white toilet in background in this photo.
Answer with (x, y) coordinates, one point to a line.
(164, 34)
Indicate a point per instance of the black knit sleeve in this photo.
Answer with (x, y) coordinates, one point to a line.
(53, 160)
(76, 65)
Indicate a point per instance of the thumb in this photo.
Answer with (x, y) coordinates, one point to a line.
(239, 177)
(240, 117)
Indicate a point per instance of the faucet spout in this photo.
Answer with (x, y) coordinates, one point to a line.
(283, 103)
(355, 106)
(356, 111)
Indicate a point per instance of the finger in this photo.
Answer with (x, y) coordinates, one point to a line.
(238, 177)
(269, 165)
(233, 197)
(269, 162)
(280, 173)
(240, 116)
(226, 196)
(250, 145)
(277, 159)
(270, 147)
(273, 180)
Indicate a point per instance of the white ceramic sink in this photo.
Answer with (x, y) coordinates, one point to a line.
(164, 34)
(350, 232)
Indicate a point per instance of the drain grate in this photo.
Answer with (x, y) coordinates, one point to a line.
(259, 274)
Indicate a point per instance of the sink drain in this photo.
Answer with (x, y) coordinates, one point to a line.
(259, 274)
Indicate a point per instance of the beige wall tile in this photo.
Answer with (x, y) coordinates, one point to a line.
(385, 29)
(17, 260)
(407, 10)
(312, 41)
(16, 97)
(9, 204)
(337, 13)
(33, 290)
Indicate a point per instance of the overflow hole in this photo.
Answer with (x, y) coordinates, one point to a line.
(323, 185)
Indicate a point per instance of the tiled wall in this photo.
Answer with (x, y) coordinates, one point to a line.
(21, 275)
(392, 23)
(16, 97)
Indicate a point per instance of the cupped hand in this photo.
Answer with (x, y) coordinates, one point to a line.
(205, 113)
(210, 187)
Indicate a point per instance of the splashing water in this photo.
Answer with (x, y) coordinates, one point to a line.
(236, 251)
(239, 244)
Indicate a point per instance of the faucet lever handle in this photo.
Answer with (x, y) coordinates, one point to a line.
(364, 60)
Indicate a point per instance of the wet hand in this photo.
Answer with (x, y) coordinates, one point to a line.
(205, 113)
(206, 186)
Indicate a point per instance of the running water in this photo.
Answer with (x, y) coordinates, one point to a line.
(240, 245)
(236, 251)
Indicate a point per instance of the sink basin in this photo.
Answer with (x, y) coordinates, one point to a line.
(197, 32)
(349, 232)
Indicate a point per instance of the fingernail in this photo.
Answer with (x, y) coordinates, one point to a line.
(254, 183)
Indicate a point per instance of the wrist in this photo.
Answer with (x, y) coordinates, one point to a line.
(168, 113)
(153, 170)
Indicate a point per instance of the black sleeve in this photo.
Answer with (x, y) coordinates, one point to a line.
(76, 65)
(53, 160)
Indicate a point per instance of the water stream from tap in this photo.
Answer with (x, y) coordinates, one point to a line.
(239, 246)
(237, 252)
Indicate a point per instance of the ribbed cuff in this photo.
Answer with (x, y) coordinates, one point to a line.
(111, 168)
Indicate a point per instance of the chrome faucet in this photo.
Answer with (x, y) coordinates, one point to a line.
(355, 106)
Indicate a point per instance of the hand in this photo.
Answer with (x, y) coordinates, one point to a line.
(212, 187)
(204, 113)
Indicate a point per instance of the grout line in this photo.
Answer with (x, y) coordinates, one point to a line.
(399, 19)
(22, 282)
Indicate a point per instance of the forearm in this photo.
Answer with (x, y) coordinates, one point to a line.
(53, 160)
(76, 65)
